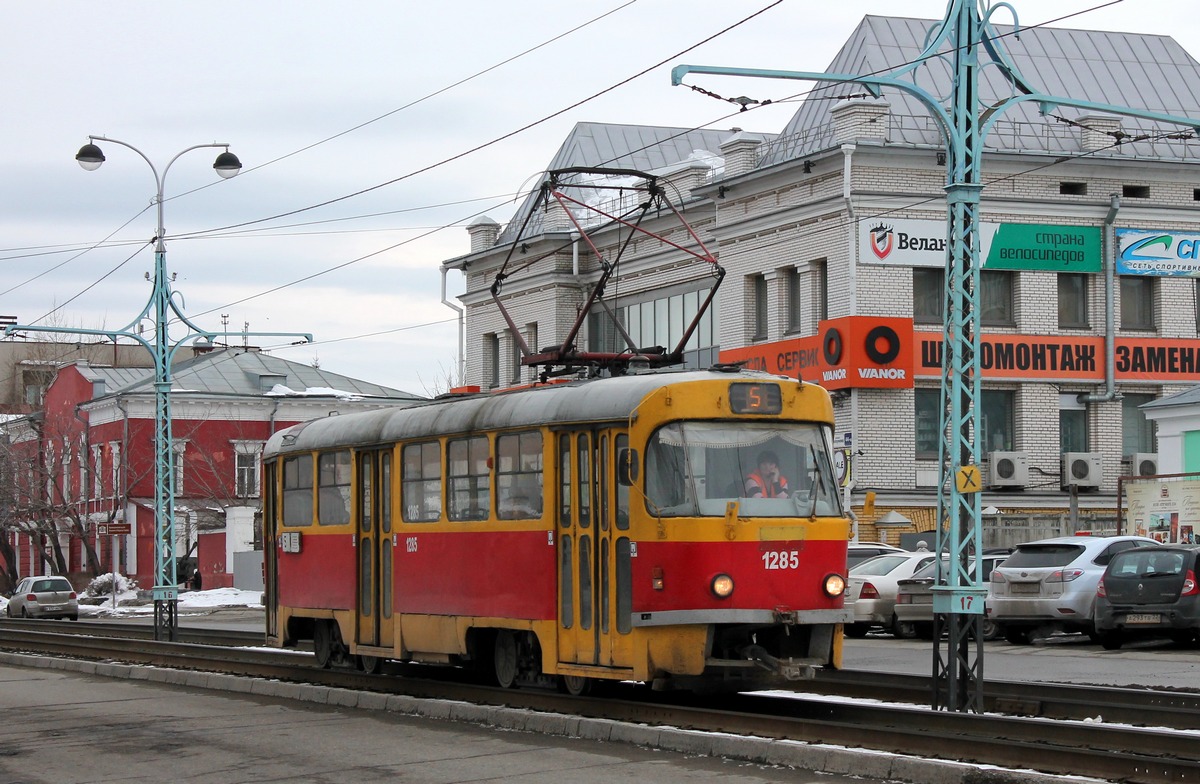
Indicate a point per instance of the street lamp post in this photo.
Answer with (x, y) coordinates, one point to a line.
(161, 306)
(166, 591)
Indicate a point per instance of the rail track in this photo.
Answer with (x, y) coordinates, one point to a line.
(1161, 751)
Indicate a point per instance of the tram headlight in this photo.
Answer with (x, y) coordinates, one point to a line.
(722, 586)
(834, 585)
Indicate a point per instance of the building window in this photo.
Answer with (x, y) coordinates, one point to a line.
(995, 297)
(97, 477)
(1072, 300)
(1137, 302)
(491, 360)
(1137, 432)
(758, 306)
(35, 383)
(795, 301)
(468, 479)
(1072, 188)
(997, 413)
(927, 405)
(246, 459)
(114, 449)
(514, 346)
(421, 483)
(1072, 423)
(177, 463)
(819, 270)
(929, 295)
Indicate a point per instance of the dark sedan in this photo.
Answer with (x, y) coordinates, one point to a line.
(1149, 592)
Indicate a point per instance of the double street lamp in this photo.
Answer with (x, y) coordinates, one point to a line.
(161, 305)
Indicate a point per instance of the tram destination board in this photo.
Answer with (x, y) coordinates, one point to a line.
(755, 398)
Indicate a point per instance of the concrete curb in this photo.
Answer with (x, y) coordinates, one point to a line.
(765, 751)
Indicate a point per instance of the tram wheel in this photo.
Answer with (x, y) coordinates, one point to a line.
(575, 685)
(505, 658)
(369, 664)
(323, 644)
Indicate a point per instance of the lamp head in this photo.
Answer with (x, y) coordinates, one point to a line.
(227, 165)
(90, 157)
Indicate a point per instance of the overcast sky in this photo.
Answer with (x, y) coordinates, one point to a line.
(325, 100)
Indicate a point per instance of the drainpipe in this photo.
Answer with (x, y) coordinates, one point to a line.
(271, 419)
(852, 235)
(1109, 259)
(852, 292)
(462, 340)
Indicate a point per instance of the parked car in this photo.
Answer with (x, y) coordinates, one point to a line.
(1050, 585)
(872, 585)
(44, 597)
(1149, 592)
(914, 598)
(857, 552)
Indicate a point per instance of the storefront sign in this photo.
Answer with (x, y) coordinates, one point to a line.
(1164, 253)
(866, 352)
(1003, 246)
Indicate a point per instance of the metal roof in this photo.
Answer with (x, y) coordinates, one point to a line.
(234, 371)
(594, 400)
(113, 378)
(1150, 72)
(642, 147)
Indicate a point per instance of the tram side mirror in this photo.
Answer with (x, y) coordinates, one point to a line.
(627, 466)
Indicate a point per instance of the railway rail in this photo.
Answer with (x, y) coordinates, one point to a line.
(1152, 754)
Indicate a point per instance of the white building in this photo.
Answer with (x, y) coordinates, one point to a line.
(832, 236)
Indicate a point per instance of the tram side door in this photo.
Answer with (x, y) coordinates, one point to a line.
(585, 549)
(375, 546)
(270, 553)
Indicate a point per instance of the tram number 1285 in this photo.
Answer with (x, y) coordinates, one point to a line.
(781, 559)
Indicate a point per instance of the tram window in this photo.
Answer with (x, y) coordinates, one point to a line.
(333, 488)
(622, 446)
(366, 481)
(421, 482)
(519, 476)
(566, 588)
(583, 451)
(624, 586)
(385, 491)
(469, 479)
(298, 490)
(564, 480)
(585, 582)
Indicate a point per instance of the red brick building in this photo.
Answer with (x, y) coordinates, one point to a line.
(86, 461)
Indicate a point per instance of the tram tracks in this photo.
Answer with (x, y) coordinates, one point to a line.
(1135, 754)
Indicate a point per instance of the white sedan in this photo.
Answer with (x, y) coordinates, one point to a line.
(872, 586)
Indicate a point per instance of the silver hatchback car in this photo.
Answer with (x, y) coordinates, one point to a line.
(1050, 585)
(44, 597)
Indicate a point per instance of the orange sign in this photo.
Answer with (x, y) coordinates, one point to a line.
(885, 353)
(1049, 358)
(855, 351)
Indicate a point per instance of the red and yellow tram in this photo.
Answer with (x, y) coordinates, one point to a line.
(595, 529)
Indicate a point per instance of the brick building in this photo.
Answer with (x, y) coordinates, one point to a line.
(832, 233)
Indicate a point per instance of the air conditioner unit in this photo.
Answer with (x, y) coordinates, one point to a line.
(1081, 469)
(1143, 463)
(1007, 469)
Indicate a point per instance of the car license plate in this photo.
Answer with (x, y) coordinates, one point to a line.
(1026, 588)
(1143, 618)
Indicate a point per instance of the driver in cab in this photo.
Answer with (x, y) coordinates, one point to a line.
(767, 481)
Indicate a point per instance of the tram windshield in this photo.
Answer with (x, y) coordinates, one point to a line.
(693, 469)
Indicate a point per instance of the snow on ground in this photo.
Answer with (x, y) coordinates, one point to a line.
(190, 602)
